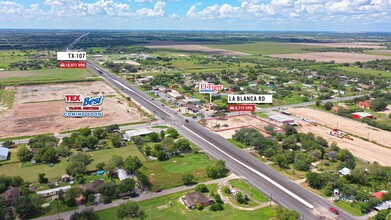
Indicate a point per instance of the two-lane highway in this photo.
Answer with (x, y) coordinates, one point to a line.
(273, 184)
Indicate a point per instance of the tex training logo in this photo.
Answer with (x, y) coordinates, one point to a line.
(90, 107)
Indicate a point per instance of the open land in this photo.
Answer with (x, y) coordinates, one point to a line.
(39, 109)
(336, 56)
(368, 45)
(191, 46)
(236, 122)
(363, 149)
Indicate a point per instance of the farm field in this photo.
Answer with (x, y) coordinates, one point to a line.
(332, 56)
(263, 48)
(30, 173)
(178, 212)
(384, 74)
(191, 46)
(168, 174)
(40, 109)
(371, 45)
(45, 76)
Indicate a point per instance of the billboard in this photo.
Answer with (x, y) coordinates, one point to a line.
(254, 99)
(64, 65)
(241, 108)
(90, 106)
(209, 88)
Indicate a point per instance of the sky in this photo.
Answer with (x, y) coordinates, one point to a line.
(262, 15)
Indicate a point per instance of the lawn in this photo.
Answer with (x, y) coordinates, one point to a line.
(264, 48)
(47, 76)
(262, 115)
(178, 211)
(366, 71)
(237, 144)
(248, 190)
(7, 97)
(30, 173)
(168, 174)
(348, 208)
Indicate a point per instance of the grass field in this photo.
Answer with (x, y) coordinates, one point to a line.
(45, 76)
(384, 74)
(10, 56)
(348, 208)
(264, 48)
(30, 173)
(178, 212)
(7, 97)
(240, 145)
(248, 189)
(168, 174)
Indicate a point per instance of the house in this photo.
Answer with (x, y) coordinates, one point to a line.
(344, 171)
(65, 178)
(141, 81)
(384, 206)
(175, 94)
(379, 194)
(4, 153)
(164, 89)
(93, 185)
(364, 104)
(191, 199)
(10, 194)
(360, 115)
(123, 175)
(53, 192)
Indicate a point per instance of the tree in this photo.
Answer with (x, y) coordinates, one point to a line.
(112, 128)
(302, 161)
(240, 198)
(286, 214)
(182, 145)
(154, 137)
(188, 179)
(42, 178)
(137, 140)
(100, 133)
(216, 207)
(344, 155)
(143, 180)
(281, 161)
(76, 167)
(218, 170)
(63, 151)
(49, 155)
(381, 215)
(318, 103)
(100, 166)
(378, 104)
(161, 155)
(116, 139)
(172, 133)
(118, 161)
(328, 106)
(8, 144)
(132, 164)
(24, 154)
(5, 212)
(162, 134)
(169, 144)
(84, 131)
(108, 190)
(199, 206)
(316, 180)
(290, 130)
(24, 207)
(82, 158)
(269, 128)
(86, 214)
(201, 188)
(127, 185)
(130, 210)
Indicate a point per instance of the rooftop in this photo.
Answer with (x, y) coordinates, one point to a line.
(280, 118)
(138, 132)
(64, 188)
(192, 199)
(362, 114)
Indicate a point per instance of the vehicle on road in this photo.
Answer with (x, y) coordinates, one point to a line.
(158, 190)
(334, 210)
(187, 121)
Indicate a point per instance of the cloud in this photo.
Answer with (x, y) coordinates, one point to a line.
(215, 11)
(158, 10)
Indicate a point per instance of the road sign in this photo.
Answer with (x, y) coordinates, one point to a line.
(71, 56)
(246, 99)
(72, 65)
(209, 88)
(241, 108)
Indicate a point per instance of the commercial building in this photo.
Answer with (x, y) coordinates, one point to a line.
(282, 120)
(53, 192)
(360, 115)
(138, 132)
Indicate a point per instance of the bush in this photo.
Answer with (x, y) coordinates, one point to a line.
(199, 206)
(201, 188)
(188, 179)
(216, 207)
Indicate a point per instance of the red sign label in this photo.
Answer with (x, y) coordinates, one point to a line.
(72, 98)
(73, 64)
(241, 108)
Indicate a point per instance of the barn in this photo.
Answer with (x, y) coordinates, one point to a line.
(281, 119)
(360, 115)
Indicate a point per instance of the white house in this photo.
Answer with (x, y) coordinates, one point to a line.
(3, 153)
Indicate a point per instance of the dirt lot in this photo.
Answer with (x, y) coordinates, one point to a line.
(329, 56)
(39, 109)
(344, 124)
(350, 45)
(237, 122)
(192, 46)
(362, 149)
(131, 62)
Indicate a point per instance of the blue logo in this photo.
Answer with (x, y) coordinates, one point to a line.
(88, 101)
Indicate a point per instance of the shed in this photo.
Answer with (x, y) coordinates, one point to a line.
(344, 171)
(123, 175)
(3, 153)
(359, 115)
(138, 132)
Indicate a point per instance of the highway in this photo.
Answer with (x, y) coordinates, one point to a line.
(273, 184)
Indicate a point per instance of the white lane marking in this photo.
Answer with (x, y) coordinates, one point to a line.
(257, 172)
(125, 87)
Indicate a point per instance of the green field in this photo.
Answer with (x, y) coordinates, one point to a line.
(168, 174)
(264, 48)
(366, 71)
(10, 56)
(30, 173)
(7, 97)
(45, 76)
(178, 211)
(248, 189)
(348, 208)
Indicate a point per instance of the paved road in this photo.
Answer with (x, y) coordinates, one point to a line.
(273, 184)
(145, 196)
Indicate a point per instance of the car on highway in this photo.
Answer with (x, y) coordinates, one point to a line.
(333, 210)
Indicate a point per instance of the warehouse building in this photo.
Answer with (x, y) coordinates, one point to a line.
(360, 115)
(282, 120)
